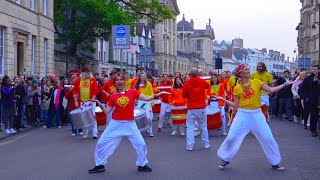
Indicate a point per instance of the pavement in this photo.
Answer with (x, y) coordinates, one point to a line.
(54, 154)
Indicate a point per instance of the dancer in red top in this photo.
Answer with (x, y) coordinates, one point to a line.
(121, 125)
(165, 104)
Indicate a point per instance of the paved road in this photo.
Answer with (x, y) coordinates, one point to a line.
(54, 154)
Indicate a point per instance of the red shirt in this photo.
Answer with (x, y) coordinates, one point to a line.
(194, 90)
(69, 97)
(123, 104)
(165, 98)
(110, 87)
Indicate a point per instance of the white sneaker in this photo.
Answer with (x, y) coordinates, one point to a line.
(81, 133)
(182, 134)
(85, 136)
(225, 133)
(295, 119)
(302, 122)
(174, 132)
(189, 148)
(73, 134)
(207, 146)
(7, 131)
(59, 127)
(151, 135)
(12, 131)
(44, 126)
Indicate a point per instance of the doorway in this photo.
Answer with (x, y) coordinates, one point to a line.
(20, 58)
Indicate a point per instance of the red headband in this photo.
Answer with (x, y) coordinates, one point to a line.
(120, 75)
(239, 69)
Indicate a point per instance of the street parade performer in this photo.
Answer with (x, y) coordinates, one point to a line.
(194, 91)
(249, 118)
(85, 88)
(122, 124)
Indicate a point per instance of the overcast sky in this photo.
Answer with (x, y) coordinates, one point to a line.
(261, 23)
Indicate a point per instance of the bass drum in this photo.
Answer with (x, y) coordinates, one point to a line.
(214, 120)
(82, 117)
(141, 119)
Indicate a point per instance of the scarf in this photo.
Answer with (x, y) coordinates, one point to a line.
(56, 103)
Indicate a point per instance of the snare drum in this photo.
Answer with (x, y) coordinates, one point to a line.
(214, 120)
(157, 106)
(100, 117)
(179, 114)
(82, 117)
(141, 119)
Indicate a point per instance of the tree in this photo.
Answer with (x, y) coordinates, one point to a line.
(91, 19)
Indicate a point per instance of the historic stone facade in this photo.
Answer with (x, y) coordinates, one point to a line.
(196, 44)
(164, 43)
(26, 37)
(308, 31)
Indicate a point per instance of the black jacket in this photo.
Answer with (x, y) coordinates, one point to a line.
(311, 89)
(284, 92)
(52, 105)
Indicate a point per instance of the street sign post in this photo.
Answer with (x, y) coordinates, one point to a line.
(121, 39)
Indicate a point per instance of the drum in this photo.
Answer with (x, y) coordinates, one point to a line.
(157, 106)
(82, 117)
(100, 117)
(179, 114)
(141, 119)
(214, 120)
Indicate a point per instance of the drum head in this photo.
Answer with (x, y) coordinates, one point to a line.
(139, 112)
(210, 110)
(157, 101)
(79, 110)
(98, 110)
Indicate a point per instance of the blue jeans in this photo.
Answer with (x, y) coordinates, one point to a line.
(285, 107)
(54, 113)
(43, 113)
(22, 113)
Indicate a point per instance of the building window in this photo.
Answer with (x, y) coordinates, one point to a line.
(18, 1)
(45, 43)
(308, 19)
(1, 51)
(32, 5)
(104, 56)
(314, 44)
(44, 7)
(309, 45)
(32, 53)
(199, 44)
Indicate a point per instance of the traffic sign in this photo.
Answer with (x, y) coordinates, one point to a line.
(121, 37)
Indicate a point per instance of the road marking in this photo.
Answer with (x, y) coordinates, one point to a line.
(17, 138)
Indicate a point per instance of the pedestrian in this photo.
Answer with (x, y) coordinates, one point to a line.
(21, 91)
(194, 91)
(34, 99)
(8, 98)
(249, 118)
(121, 125)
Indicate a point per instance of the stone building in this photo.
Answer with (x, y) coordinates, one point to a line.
(196, 44)
(26, 37)
(308, 34)
(164, 42)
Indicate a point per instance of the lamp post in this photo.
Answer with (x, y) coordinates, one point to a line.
(67, 36)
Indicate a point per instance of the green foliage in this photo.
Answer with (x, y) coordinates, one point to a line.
(91, 19)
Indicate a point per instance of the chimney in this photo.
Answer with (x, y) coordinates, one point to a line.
(192, 23)
(264, 50)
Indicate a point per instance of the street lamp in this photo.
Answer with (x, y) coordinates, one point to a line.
(67, 36)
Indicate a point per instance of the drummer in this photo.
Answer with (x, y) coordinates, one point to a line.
(165, 106)
(217, 89)
(121, 125)
(145, 87)
(176, 100)
(85, 88)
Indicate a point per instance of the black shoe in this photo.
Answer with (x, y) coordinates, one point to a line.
(278, 167)
(305, 127)
(97, 169)
(23, 127)
(94, 137)
(223, 164)
(314, 134)
(144, 168)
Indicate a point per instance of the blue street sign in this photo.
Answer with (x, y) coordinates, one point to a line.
(121, 31)
(121, 38)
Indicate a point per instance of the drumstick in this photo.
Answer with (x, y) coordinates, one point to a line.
(68, 86)
(164, 87)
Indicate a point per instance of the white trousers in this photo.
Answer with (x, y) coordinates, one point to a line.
(149, 114)
(223, 118)
(165, 108)
(111, 138)
(94, 127)
(200, 116)
(264, 99)
(244, 122)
